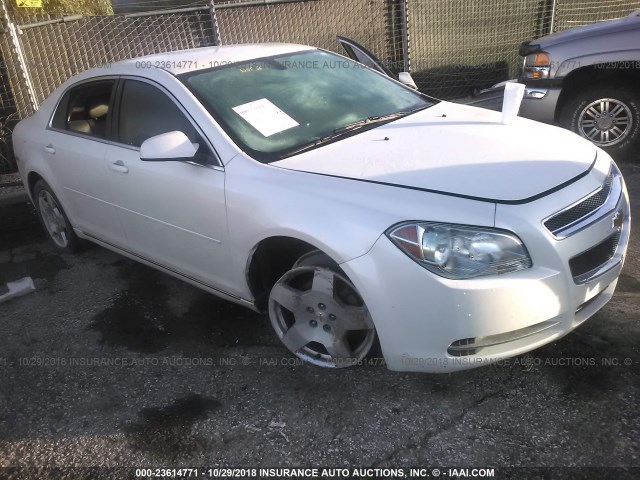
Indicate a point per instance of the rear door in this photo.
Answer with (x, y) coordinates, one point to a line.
(75, 144)
(173, 212)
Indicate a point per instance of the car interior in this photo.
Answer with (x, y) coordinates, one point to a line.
(88, 111)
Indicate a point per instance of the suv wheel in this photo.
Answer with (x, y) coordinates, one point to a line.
(608, 116)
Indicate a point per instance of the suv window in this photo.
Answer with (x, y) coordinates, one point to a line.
(85, 109)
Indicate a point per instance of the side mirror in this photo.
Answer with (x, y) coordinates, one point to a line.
(405, 77)
(168, 146)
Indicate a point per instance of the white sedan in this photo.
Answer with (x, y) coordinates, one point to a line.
(352, 208)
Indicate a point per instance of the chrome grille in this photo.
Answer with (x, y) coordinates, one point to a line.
(586, 207)
(584, 265)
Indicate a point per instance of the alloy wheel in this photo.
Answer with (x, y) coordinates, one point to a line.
(320, 317)
(605, 122)
(53, 218)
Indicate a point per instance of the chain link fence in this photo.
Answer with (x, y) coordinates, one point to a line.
(459, 46)
(90, 42)
(574, 13)
(452, 48)
(376, 24)
(46, 50)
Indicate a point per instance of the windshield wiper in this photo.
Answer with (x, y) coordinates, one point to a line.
(351, 127)
(370, 121)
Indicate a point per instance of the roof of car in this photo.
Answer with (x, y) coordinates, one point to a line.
(184, 61)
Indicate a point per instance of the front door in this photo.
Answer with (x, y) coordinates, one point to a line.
(173, 212)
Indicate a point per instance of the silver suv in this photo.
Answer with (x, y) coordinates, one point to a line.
(587, 79)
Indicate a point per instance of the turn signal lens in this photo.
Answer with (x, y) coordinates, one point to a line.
(540, 59)
(408, 238)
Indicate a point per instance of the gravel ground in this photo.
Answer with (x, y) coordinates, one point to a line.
(110, 363)
(9, 179)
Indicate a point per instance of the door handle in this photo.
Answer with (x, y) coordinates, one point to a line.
(119, 167)
(49, 149)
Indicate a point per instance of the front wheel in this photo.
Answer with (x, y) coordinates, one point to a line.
(608, 116)
(319, 315)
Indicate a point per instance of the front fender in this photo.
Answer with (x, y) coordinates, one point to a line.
(601, 58)
(342, 217)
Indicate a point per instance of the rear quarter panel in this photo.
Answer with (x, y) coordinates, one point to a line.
(28, 148)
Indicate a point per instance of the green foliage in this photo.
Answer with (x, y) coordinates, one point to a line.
(73, 7)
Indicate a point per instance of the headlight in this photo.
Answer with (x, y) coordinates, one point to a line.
(460, 251)
(537, 66)
(539, 59)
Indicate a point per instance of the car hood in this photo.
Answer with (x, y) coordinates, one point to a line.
(459, 150)
(589, 31)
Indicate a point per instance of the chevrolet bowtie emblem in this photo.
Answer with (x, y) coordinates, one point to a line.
(617, 220)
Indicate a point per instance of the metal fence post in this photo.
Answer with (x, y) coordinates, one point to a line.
(404, 11)
(214, 22)
(554, 5)
(19, 64)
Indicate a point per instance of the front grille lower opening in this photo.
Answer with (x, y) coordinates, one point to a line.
(591, 260)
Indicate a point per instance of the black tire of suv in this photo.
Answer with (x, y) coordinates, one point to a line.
(629, 148)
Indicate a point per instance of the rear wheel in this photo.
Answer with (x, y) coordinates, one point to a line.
(53, 218)
(608, 116)
(319, 315)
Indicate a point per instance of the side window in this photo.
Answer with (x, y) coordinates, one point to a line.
(146, 111)
(85, 109)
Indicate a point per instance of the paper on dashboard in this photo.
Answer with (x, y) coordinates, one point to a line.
(265, 117)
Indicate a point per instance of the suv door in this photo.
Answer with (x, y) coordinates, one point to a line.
(173, 212)
(76, 143)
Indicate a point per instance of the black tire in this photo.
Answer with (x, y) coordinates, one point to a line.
(316, 258)
(72, 241)
(627, 146)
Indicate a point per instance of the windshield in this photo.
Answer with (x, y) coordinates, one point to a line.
(278, 106)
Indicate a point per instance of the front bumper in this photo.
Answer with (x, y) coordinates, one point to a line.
(420, 316)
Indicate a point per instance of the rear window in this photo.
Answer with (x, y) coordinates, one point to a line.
(85, 109)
